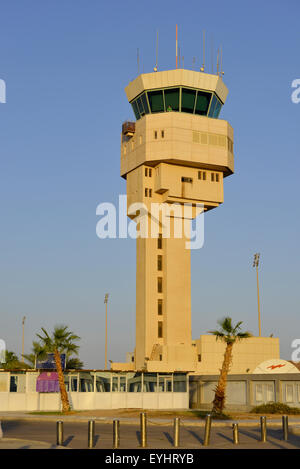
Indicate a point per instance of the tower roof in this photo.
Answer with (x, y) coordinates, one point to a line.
(177, 77)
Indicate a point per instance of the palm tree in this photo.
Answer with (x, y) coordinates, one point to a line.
(12, 362)
(228, 334)
(73, 363)
(61, 341)
(38, 353)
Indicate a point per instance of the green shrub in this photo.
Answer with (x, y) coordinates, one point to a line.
(275, 408)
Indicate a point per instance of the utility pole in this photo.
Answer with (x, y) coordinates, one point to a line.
(106, 301)
(255, 264)
(23, 325)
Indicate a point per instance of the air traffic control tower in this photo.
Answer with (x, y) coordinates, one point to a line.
(177, 151)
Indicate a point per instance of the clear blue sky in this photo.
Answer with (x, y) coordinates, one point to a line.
(66, 64)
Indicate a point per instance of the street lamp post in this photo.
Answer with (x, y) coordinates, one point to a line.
(23, 325)
(106, 301)
(255, 264)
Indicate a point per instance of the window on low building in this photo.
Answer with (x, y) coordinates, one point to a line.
(289, 393)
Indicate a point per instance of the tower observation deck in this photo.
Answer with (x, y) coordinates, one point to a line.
(178, 151)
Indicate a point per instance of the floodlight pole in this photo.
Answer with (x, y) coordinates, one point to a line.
(23, 324)
(106, 301)
(255, 264)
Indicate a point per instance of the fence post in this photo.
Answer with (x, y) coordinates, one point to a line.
(91, 433)
(263, 429)
(116, 433)
(285, 427)
(143, 421)
(60, 432)
(176, 432)
(207, 430)
(235, 428)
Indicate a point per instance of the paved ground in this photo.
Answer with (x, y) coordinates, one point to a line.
(160, 435)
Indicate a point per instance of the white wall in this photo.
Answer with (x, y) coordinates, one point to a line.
(33, 401)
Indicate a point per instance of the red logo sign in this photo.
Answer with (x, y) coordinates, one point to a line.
(272, 367)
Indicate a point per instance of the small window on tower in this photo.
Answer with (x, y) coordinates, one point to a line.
(184, 179)
(159, 241)
(146, 192)
(217, 177)
(155, 134)
(160, 330)
(159, 262)
(146, 171)
(150, 172)
(160, 307)
(162, 134)
(159, 284)
(150, 192)
(212, 177)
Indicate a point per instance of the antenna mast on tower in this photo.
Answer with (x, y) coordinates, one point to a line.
(156, 66)
(203, 65)
(176, 46)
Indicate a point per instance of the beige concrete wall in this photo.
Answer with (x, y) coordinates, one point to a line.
(247, 354)
(168, 179)
(183, 142)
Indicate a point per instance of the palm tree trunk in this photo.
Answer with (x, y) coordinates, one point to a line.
(219, 400)
(62, 387)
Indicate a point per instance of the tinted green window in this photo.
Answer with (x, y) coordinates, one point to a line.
(212, 106)
(217, 109)
(202, 103)
(145, 104)
(156, 101)
(140, 106)
(172, 99)
(188, 100)
(135, 110)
